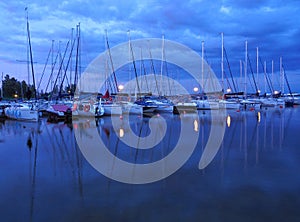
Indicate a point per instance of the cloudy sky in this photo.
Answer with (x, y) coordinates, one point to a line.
(271, 25)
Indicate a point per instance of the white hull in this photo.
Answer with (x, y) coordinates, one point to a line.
(22, 112)
(250, 104)
(206, 104)
(112, 109)
(224, 104)
(180, 108)
(272, 103)
(131, 108)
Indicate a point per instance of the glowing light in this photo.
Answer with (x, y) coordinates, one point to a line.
(16, 95)
(196, 126)
(121, 132)
(258, 117)
(258, 91)
(196, 89)
(228, 90)
(276, 92)
(228, 121)
(120, 87)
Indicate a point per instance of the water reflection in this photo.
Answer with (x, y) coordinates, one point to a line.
(46, 178)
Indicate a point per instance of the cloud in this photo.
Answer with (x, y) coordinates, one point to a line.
(225, 10)
(271, 25)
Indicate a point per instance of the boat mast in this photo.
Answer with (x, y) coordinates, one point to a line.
(79, 53)
(52, 63)
(281, 76)
(162, 64)
(257, 70)
(272, 76)
(241, 74)
(265, 71)
(222, 63)
(152, 67)
(202, 69)
(134, 65)
(2, 86)
(245, 80)
(111, 63)
(30, 53)
(76, 77)
(71, 65)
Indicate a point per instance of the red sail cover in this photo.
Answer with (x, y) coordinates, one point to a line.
(106, 95)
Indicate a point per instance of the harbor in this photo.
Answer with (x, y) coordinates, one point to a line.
(149, 111)
(253, 175)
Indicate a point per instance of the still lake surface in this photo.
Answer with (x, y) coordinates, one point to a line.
(253, 177)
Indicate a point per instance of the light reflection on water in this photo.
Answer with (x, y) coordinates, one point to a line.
(253, 177)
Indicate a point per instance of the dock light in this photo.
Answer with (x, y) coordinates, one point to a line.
(276, 92)
(196, 89)
(258, 91)
(120, 87)
(16, 95)
(228, 90)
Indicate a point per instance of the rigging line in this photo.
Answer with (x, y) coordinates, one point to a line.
(234, 86)
(60, 67)
(152, 67)
(256, 89)
(66, 68)
(144, 70)
(267, 77)
(44, 69)
(112, 64)
(251, 84)
(227, 80)
(287, 82)
(108, 84)
(52, 70)
(167, 72)
(134, 66)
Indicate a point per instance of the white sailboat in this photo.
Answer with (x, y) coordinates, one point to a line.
(29, 110)
(22, 111)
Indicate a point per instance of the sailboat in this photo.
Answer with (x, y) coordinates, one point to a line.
(225, 103)
(110, 108)
(25, 110)
(60, 109)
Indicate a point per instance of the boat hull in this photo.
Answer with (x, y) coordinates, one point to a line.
(22, 114)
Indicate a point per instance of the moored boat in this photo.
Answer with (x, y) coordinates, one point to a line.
(185, 107)
(87, 109)
(59, 112)
(22, 111)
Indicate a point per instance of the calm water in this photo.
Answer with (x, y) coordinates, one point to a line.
(253, 177)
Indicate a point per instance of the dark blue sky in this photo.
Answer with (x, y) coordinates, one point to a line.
(271, 25)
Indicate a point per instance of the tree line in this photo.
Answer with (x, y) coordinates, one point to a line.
(14, 89)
